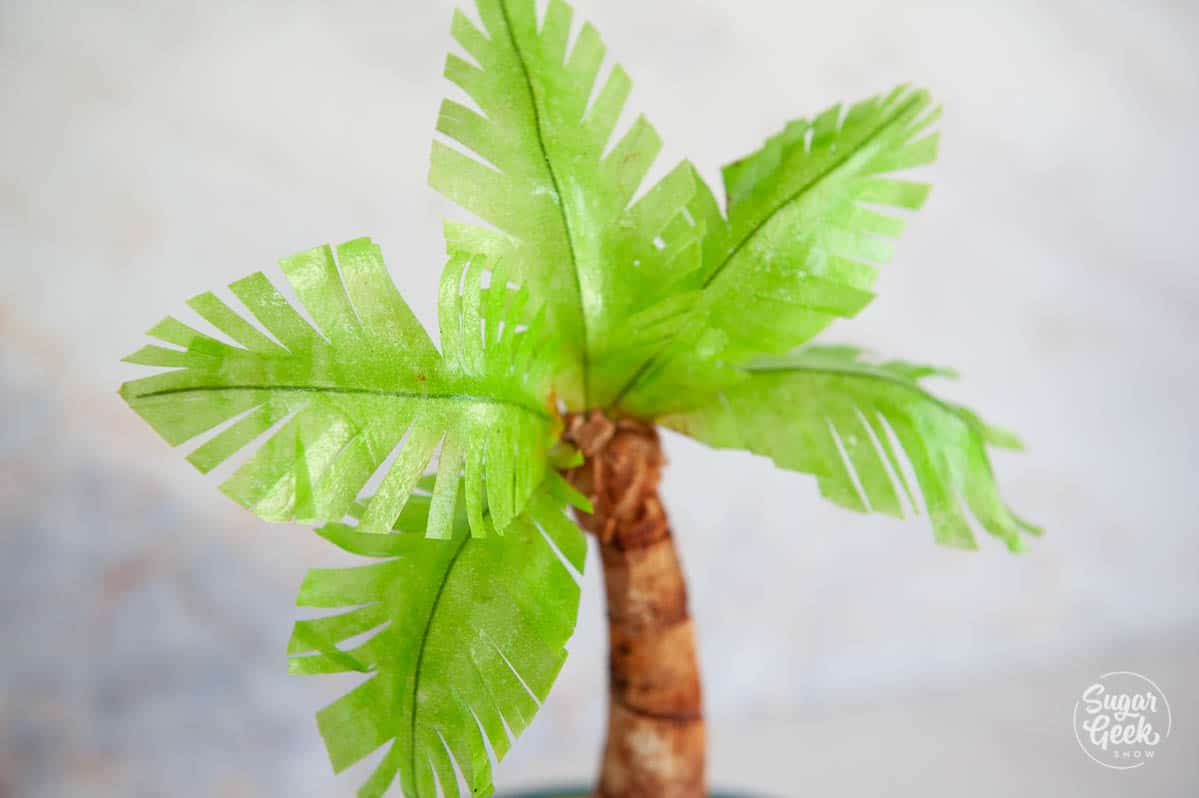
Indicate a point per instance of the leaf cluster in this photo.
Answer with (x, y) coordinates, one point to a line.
(582, 288)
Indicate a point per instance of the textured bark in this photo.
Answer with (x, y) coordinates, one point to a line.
(656, 738)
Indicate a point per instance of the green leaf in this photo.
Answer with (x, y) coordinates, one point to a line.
(810, 216)
(466, 637)
(824, 411)
(537, 165)
(336, 401)
(666, 307)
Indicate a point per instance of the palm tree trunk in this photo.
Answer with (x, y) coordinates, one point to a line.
(656, 739)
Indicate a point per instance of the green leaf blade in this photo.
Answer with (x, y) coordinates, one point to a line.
(826, 412)
(538, 166)
(810, 218)
(469, 636)
(324, 409)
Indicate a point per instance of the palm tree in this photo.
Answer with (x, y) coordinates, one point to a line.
(583, 316)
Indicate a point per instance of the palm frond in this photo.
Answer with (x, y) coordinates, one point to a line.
(537, 165)
(466, 639)
(827, 412)
(810, 216)
(337, 401)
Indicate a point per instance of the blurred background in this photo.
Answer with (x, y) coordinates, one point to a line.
(154, 151)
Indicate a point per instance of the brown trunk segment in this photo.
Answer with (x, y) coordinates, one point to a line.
(656, 738)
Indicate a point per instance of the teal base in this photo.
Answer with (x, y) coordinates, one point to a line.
(583, 792)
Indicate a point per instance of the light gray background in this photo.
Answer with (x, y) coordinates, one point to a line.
(151, 152)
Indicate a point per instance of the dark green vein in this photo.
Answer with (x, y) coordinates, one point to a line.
(867, 373)
(453, 397)
(820, 176)
(549, 166)
(420, 657)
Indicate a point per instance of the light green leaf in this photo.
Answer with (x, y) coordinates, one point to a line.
(334, 402)
(825, 411)
(810, 216)
(466, 637)
(666, 307)
(538, 164)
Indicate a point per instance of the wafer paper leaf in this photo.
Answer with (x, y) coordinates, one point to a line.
(859, 427)
(810, 216)
(322, 409)
(463, 639)
(541, 165)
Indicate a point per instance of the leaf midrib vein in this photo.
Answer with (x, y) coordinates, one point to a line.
(820, 176)
(420, 657)
(864, 372)
(453, 397)
(561, 203)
